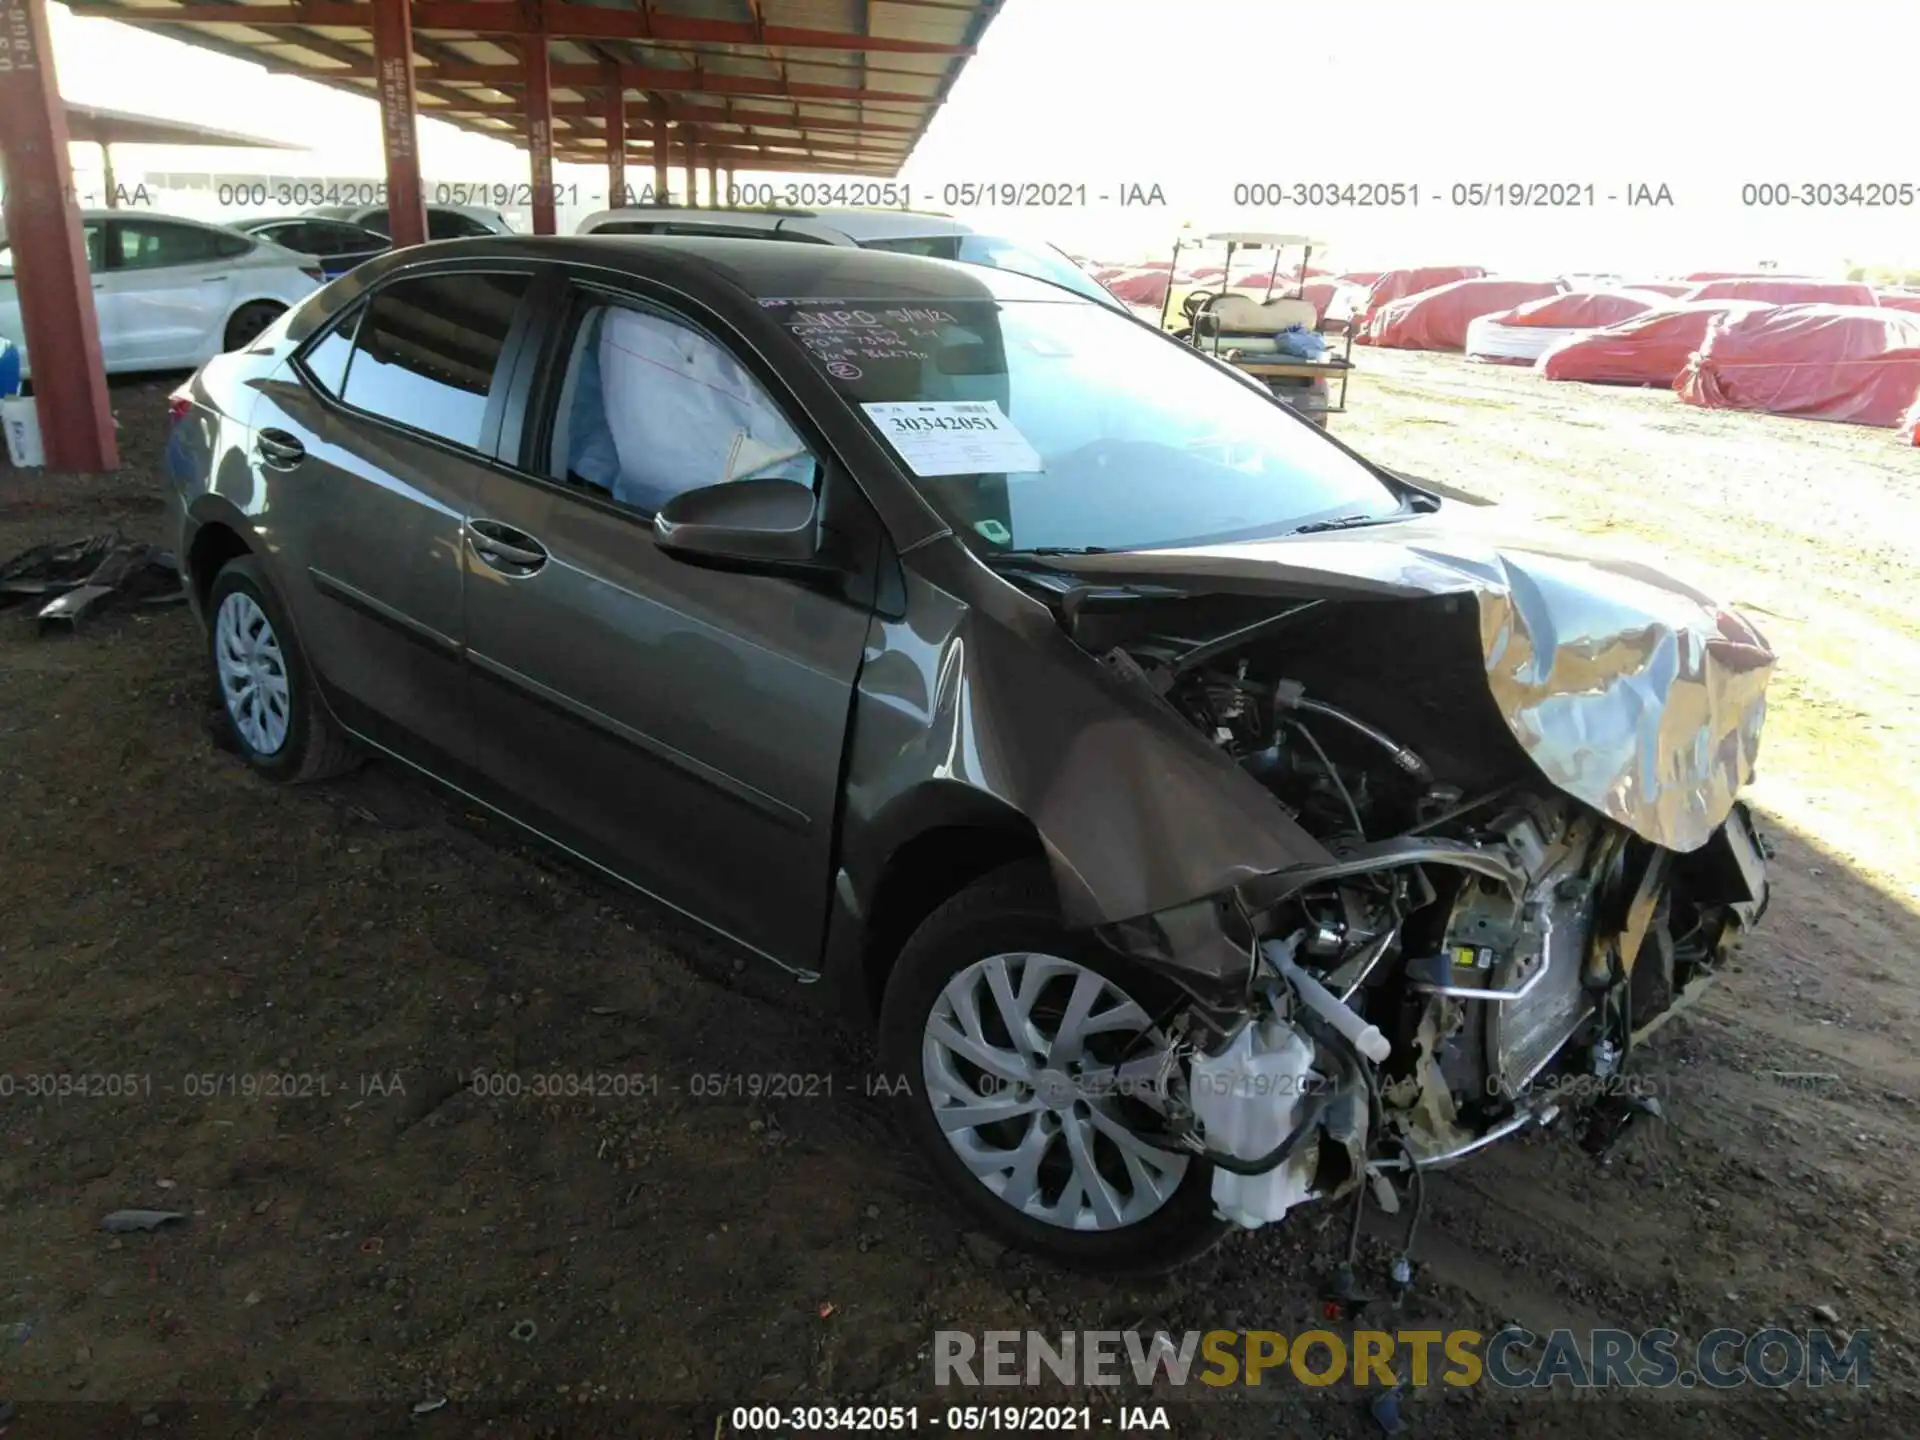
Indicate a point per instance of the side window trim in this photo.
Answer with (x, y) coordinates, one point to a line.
(562, 299)
(506, 368)
(110, 245)
(537, 387)
(348, 319)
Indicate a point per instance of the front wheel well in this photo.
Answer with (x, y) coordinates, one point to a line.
(923, 874)
(214, 545)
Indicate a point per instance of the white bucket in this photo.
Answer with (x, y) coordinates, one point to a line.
(22, 420)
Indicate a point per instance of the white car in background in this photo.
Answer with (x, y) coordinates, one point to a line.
(170, 293)
(905, 232)
(444, 222)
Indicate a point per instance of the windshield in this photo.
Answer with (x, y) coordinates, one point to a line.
(1042, 262)
(1032, 425)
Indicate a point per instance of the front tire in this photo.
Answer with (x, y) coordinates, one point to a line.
(1006, 1027)
(274, 716)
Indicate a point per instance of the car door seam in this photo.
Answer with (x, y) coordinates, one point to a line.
(801, 973)
(786, 815)
(340, 591)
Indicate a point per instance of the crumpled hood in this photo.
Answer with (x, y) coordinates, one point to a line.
(1629, 689)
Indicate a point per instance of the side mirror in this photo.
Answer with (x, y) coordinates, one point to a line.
(766, 526)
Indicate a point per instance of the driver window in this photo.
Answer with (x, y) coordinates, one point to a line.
(651, 407)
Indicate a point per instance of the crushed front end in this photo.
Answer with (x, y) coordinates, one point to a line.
(1537, 853)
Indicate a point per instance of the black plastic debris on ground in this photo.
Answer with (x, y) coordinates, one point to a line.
(75, 579)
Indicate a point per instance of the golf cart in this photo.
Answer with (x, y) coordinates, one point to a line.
(1280, 339)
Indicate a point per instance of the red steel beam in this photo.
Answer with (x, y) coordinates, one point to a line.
(687, 81)
(703, 115)
(614, 118)
(662, 151)
(535, 66)
(61, 330)
(666, 82)
(503, 17)
(739, 161)
(399, 132)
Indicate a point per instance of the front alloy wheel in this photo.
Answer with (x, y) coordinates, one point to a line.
(1023, 1062)
(1036, 1073)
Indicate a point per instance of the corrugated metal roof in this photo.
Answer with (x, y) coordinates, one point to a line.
(835, 86)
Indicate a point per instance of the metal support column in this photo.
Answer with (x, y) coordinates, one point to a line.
(393, 69)
(538, 87)
(615, 122)
(692, 152)
(59, 329)
(662, 150)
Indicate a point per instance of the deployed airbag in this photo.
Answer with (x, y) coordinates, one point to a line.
(684, 413)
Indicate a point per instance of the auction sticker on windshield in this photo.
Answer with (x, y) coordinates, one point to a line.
(954, 437)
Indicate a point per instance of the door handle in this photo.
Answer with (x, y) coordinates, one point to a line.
(279, 449)
(215, 279)
(504, 548)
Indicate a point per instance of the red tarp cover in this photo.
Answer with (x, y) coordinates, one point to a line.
(1899, 300)
(1391, 285)
(1650, 349)
(1364, 278)
(1787, 290)
(1581, 309)
(1911, 424)
(1437, 319)
(1674, 288)
(1140, 287)
(1824, 362)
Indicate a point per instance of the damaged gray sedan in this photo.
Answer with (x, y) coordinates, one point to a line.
(1213, 821)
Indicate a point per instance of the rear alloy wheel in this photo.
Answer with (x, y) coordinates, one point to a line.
(1035, 1078)
(249, 321)
(275, 720)
(253, 673)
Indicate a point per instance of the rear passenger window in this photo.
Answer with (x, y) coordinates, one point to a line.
(326, 360)
(426, 351)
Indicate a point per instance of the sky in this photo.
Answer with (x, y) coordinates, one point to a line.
(1198, 97)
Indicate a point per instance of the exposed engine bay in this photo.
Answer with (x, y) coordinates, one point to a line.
(1483, 952)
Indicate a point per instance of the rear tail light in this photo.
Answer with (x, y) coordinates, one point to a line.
(179, 405)
(313, 272)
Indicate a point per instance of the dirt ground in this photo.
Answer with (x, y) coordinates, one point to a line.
(384, 1236)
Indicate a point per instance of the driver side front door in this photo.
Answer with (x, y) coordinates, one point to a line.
(680, 726)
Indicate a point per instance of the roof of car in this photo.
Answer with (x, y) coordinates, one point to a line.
(256, 222)
(103, 214)
(855, 224)
(762, 269)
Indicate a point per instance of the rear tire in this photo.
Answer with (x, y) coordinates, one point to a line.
(247, 323)
(1156, 1211)
(274, 716)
